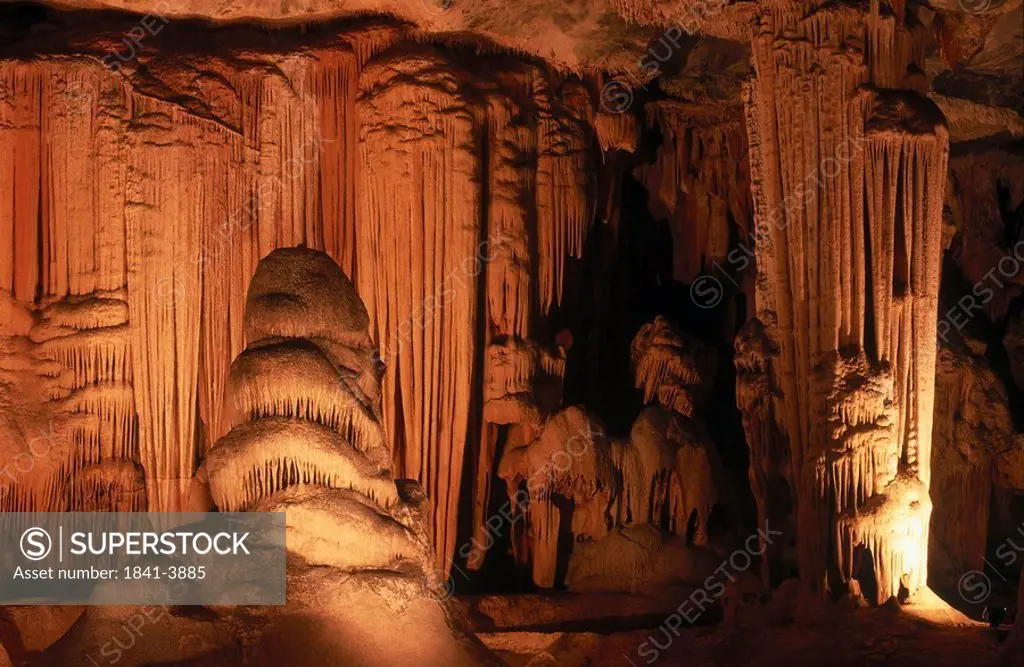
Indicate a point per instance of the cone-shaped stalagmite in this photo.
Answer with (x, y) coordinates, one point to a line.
(310, 444)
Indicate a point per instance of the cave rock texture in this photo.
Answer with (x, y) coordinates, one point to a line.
(622, 514)
(848, 299)
(132, 339)
(529, 303)
(306, 440)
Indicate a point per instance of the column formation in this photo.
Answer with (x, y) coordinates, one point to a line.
(848, 165)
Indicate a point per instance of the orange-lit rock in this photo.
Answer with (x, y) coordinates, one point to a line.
(358, 552)
(848, 206)
(433, 278)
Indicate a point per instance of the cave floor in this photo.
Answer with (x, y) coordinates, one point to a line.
(926, 634)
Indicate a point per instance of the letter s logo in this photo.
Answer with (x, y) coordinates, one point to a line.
(36, 544)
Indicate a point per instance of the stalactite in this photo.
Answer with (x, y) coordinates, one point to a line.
(166, 207)
(72, 268)
(511, 148)
(181, 193)
(421, 233)
(617, 131)
(512, 179)
(287, 122)
(523, 382)
(847, 198)
(20, 94)
(565, 206)
(674, 369)
(28, 444)
(333, 83)
(84, 113)
(893, 527)
(83, 349)
(700, 182)
(227, 261)
(289, 178)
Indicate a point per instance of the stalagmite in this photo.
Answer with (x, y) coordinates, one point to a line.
(271, 453)
(972, 430)
(670, 474)
(113, 485)
(675, 370)
(665, 475)
(639, 558)
(334, 528)
(697, 481)
(670, 468)
(392, 269)
(848, 204)
(297, 446)
(358, 542)
(571, 460)
(648, 470)
(770, 471)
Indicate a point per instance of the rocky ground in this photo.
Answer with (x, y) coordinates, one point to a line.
(925, 632)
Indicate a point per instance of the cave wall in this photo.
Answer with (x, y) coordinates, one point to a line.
(474, 199)
(148, 219)
(141, 198)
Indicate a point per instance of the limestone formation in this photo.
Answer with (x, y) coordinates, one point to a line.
(566, 477)
(555, 308)
(585, 493)
(848, 206)
(353, 533)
